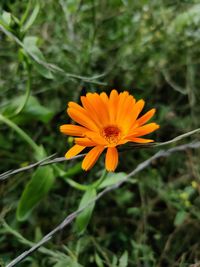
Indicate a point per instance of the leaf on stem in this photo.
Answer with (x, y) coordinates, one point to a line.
(84, 217)
(39, 185)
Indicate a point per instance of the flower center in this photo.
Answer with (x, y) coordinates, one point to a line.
(111, 134)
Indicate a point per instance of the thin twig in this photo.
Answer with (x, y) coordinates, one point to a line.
(70, 218)
(46, 161)
(50, 66)
(175, 86)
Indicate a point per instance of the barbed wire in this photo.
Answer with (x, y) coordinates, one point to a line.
(48, 160)
(43, 162)
(71, 217)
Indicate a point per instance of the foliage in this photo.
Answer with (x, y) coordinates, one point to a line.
(55, 51)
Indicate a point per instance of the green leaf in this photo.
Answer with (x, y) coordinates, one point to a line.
(32, 111)
(32, 17)
(39, 185)
(185, 19)
(40, 154)
(6, 17)
(112, 178)
(67, 263)
(30, 46)
(43, 70)
(180, 217)
(123, 261)
(84, 217)
(98, 260)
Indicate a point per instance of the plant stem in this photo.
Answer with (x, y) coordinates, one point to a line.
(82, 187)
(77, 185)
(28, 92)
(100, 180)
(21, 133)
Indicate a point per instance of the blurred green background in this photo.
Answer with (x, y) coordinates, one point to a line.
(52, 52)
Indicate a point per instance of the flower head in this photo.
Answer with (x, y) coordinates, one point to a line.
(105, 123)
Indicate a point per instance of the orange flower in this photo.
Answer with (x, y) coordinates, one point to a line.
(106, 122)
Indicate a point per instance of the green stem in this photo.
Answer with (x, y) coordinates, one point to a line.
(82, 187)
(21, 133)
(25, 15)
(8, 229)
(26, 97)
(100, 180)
(28, 92)
(77, 185)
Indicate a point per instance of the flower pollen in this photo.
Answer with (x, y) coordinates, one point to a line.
(111, 134)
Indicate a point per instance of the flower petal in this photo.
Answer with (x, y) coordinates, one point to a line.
(143, 130)
(122, 100)
(74, 130)
(91, 157)
(84, 142)
(97, 138)
(133, 115)
(127, 114)
(111, 159)
(82, 119)
(76, 149)
(104, 97)
(147, 116)
(113, 105)
(99, 107)
(83, 111)
(140, 140)
(87, 106)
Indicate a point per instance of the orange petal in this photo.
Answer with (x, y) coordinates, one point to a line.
(91, 110)
(122, 100)
(91, 157)
(97, 138)
(127, 114)
(78, 108)
(111, 159)
(104, 97)
(147, 116)
(84, 142)
(113, 105)
(140, 140)
(143, 130)
(72, 104)
(83, 111)
(74, 130)
(82, 119)
(131, 117)
(139, 105)
(113, 93)
(76, 149)
(99, 107)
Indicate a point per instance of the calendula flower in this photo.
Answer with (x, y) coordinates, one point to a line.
(105, 123)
